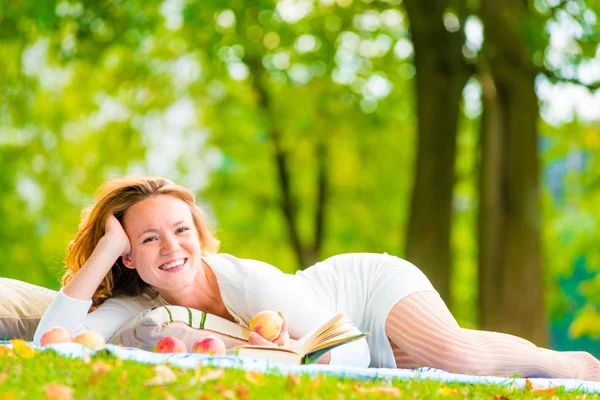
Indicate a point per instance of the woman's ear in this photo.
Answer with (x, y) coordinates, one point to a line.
(127, 261)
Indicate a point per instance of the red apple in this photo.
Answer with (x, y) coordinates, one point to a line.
(211, 345)
(170, 344)
(56, 335)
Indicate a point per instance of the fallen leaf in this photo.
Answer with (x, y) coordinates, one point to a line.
(254, 377)
(7, 397)
(99, 370)
(394, 391)
(3, 377)
(446, 391)
(169, 396)
(242, 392)
(5, 351)
(540, 389)
(22, 349)
(224, 391)
(292, 381)
(316, 382)
(123, 378)
(55, 391)
(211, 376)
(164, 375)
(501, 397)
(546, 391)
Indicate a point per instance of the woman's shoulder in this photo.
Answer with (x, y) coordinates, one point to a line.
(228, 266)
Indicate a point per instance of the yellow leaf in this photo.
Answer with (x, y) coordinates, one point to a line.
(3, 377)
(224, 391)
(254, 377)
(394, 391)
(292, 381)
(446, 391)
(211, 376)
(5, 351)
(55, 391)
(99, 370)
(22, 349)
(164, 375)
(316, 382)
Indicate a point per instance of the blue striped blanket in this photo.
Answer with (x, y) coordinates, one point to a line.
(191, 360)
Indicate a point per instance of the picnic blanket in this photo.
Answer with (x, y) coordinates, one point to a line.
(191, 360)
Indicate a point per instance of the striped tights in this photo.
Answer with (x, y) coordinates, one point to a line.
(423, 333)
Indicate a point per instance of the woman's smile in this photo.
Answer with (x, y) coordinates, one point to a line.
(174, 266)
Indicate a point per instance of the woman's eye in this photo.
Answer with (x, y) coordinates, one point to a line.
(182, 229)
(149, 239)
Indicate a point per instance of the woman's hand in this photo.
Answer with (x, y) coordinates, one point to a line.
(282, 340)
(114, 230)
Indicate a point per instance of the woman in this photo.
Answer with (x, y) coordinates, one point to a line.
(146, 243)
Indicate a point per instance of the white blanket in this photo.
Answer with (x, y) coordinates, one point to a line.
(191, 360)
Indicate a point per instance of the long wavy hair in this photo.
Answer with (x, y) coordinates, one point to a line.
(115, 197)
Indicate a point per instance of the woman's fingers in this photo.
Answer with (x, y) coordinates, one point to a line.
(283, 317)
(283, 339)
(256, 339)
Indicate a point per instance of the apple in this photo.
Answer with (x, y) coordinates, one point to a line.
(267, 324)
(90, 339)
(56, 335)
(211, 345)
(170, 344)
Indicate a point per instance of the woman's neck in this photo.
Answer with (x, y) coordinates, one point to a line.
(203, 295)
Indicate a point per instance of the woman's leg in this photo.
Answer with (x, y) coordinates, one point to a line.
(423, 327)
(403, 360)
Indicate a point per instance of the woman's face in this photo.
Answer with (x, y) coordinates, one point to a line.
(165, 248)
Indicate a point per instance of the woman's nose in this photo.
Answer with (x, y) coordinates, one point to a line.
(169, 245)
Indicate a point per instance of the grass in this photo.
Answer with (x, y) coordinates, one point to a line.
(28, 374)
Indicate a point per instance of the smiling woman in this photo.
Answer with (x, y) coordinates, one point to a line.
(101, 226)
(146, 243)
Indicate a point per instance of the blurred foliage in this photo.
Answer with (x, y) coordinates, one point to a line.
(199, 92)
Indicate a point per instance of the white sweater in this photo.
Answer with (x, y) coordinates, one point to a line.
(247, 287)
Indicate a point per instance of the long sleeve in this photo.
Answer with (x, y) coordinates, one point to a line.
(271, 289)
(72, 314)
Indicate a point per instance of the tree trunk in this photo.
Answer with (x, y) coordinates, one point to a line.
(441, 74)
(307, 254)
(510, 271)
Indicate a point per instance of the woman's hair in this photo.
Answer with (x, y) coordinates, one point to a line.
(115, 197)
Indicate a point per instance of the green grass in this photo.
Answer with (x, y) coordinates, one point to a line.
(47, 375)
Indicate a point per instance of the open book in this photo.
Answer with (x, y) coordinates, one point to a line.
(309, 349)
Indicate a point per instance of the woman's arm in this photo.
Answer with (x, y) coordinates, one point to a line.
(72, 304)
(424, 328)
(287, 293)
(72, 314)
(111, 246)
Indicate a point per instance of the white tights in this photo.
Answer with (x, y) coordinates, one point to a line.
(423, 333)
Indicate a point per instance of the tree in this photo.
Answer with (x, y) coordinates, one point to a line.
(441, 73)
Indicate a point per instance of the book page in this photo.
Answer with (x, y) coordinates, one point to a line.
(336, 326)
(268, 348)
